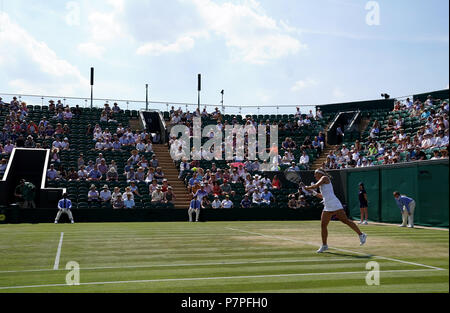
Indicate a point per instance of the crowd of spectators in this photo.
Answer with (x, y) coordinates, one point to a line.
(22, 132)
(126, 200)
(178, 146)
(220, 183)
(430, 141)
(138, 169)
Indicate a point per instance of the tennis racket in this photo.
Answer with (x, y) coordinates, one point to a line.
(296, 178)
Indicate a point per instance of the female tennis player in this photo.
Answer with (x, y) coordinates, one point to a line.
(332, 206)
(363, 204)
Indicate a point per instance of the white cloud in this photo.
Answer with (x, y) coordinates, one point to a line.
(104, 27)
(249, 33)
(73, 15)
(118, 5)
(29, 65)
(91, 49)
(157, 48)
(302, 84)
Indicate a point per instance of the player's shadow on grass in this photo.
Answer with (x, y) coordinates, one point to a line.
(368, 256)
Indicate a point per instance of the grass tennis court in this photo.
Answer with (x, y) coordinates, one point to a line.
(220, 257)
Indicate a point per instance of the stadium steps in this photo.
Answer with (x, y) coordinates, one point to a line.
(135, 124)
(171, 173)
(323, 157)
(363, 125)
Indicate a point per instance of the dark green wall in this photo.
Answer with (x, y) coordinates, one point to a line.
(371, 181)
(360, 105)
(16, 215)
(425, 182)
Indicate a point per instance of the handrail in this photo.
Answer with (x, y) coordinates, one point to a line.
(157, 102)
(144, 123)
(8, 166)
(355, 118)
(335, 120)
(44, 171)
(220, 104)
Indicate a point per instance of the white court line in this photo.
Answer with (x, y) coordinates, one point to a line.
(58, 252)
(412, 263)
(210, 278)
(189, 264)
(415, 226)
(338, 249)
(147, 231)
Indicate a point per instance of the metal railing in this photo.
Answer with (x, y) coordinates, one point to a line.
(353, 121)
(159, 105)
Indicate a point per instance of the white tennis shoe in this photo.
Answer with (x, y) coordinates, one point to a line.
(322, 248)
(362, 239)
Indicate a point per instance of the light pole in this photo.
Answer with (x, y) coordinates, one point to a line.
(146, 97)
(199, 88)
(92, 85)
(223, 108)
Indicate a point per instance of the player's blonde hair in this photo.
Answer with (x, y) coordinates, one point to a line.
(322, 172)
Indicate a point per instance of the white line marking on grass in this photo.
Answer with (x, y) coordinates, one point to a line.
(133, 231)
(58, 252)
(211, 278)
(412, 263)
(189, 264)
(415, 226)
(338, 249)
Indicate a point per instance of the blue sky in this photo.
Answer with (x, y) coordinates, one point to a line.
(261, 52)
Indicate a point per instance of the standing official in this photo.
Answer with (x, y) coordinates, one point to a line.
(406, 206)
(64, 206)
(363, 204)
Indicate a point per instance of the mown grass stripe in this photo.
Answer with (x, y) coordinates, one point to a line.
(277, 261)
(123, 251)
(208, 278)
(338, 249)
(55, 277)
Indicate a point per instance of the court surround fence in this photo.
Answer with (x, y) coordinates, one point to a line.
(424, 181)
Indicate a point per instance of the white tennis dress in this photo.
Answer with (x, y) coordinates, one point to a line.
(330, 202)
